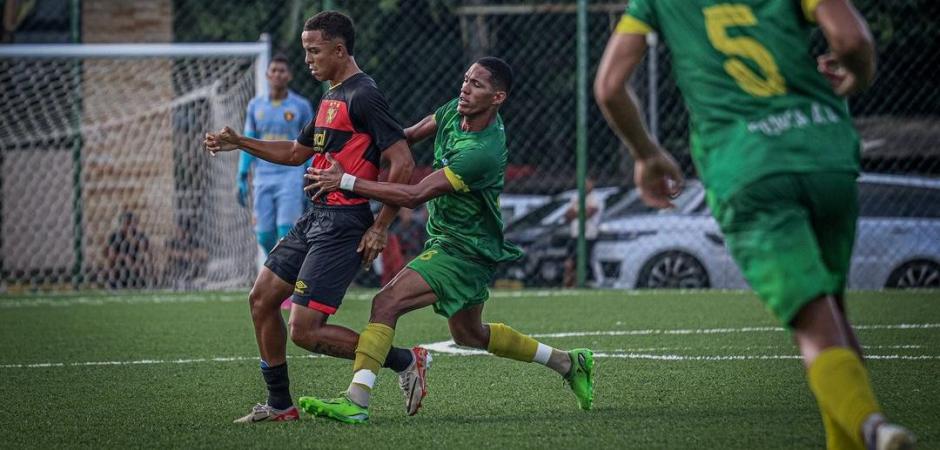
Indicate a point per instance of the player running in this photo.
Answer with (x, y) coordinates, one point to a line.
(774, 144)
(465, 242)
(318, 258)
(278, 198)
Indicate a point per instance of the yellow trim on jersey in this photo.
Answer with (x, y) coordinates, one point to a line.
(632, 25)
(809, 9)
(455, 180)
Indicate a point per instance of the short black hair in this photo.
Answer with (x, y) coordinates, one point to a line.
(279, 58)
(334, 24)
(499, 71)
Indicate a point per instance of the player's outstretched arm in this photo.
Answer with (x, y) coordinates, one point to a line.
(422, 130)
(289, 153)
(656, 173)
(850, 67)
(408, 195)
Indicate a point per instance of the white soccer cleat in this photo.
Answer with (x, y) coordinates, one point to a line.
(413, 381)
(889, 436)
(265, 413)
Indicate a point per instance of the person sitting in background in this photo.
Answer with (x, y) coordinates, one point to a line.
(593, 210)
(127, 254)
(186, 256)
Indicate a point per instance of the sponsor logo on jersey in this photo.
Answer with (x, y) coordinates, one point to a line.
(289, 115)
(300, 287)
(331, 112)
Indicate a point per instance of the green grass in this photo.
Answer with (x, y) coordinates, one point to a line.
(148, 398)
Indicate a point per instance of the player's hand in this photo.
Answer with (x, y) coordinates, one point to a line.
(842, 81)
(223, 141)
(324, 180)
(372, 244)
(659, 179)
(243, 190)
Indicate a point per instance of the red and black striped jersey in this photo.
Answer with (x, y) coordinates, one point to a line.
(354, 124)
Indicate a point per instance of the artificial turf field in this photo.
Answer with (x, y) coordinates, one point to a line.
(675, 370)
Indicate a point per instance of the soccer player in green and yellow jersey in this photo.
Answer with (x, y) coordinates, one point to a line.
(773, 142)
(465, 242)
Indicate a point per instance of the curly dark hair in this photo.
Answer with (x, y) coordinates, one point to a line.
(334, 24)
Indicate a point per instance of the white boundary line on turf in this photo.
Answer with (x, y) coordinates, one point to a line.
(614, 354)
(111, 298)
(145, 362)
(450, 348)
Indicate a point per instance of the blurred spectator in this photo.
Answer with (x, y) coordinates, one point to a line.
(186, 257)
(405, 241)
(594, 209)
(127, 254)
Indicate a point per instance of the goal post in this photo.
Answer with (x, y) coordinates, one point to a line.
(103, 180)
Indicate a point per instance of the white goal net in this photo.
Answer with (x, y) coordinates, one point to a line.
(104, 182)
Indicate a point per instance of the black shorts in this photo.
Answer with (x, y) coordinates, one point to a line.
(318, 256)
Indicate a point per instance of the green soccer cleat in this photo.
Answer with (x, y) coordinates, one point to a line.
(340, 408)
(581, 376)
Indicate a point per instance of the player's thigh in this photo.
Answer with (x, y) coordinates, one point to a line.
(269, 289)
(331, 261)
(768, 231)
(290, 202)
(458, 282)
(264, 211)
(288, 256)
(306, 318)
(406, 292)
(833, 199)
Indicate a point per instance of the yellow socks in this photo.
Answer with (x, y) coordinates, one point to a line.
(374, 344)
(509, 343)
(844, 394)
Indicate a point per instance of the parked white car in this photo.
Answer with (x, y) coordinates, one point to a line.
(897, 243)
(514, 206)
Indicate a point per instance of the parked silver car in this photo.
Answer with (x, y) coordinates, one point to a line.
(897, 243)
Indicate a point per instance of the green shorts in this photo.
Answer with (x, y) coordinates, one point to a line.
(792, 236)
(458, 282)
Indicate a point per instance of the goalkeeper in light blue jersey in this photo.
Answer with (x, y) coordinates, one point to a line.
(278, 190)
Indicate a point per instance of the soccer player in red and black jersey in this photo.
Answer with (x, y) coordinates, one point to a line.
(317, 260)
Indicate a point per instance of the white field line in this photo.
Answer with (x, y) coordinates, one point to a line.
(237, 296)
(650, 332)
(144, 362)
(450, 348)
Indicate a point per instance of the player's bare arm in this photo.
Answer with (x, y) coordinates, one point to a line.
(408, 195)
(656, 173)
(422, 130)
(289, 153)
(850, 67)
(400, 167)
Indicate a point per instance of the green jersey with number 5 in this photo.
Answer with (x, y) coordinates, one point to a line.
(757, 104)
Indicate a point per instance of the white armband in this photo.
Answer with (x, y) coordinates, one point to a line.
(347, 182)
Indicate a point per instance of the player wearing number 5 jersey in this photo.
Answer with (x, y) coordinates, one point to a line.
(773, 142)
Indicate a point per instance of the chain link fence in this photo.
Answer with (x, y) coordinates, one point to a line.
(418, 50)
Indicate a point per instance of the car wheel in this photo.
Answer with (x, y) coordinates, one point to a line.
(920, 273)
(675, 270)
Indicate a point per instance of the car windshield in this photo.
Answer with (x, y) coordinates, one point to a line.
(633, 205)
(886, 200)
(535, 217)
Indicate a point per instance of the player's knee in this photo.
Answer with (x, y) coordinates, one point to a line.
(257, 301)
(386, 306)
(300, 335)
